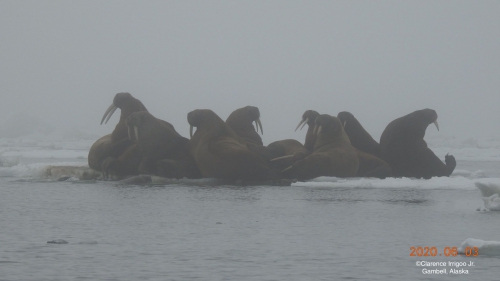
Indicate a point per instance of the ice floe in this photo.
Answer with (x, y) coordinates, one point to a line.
(485, 248)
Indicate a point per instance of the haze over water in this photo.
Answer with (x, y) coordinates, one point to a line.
(63, 62)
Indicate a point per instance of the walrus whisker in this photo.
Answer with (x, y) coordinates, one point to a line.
(106, 113)
(303, 121)
(136, 130)
(110, 114)
(191, 131)
(282, 157)
(436, 123)
(260, 125)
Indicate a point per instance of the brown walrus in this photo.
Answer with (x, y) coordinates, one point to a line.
(219, 152)
(309, 118)
(403, 147)
(286, 152)
(117, 145)
(359, 137)
(240, 121)
(333, 155)
(164, 152)
(371, 166)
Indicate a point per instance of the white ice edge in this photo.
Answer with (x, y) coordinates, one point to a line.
(485, 248)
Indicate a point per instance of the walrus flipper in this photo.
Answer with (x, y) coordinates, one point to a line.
(428, 165)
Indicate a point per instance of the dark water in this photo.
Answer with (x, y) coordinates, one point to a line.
(182, 232)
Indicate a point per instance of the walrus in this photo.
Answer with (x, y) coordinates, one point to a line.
(116, 145)
(164, 151)
(286, 152)
(371, 166)
(240, 121)
(309, 118)
(358, 136)
(219, 152)
(333, 155)
(403, 147)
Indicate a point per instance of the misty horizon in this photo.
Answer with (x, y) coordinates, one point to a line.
(63, 62)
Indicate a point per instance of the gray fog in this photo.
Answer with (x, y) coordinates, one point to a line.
(62, 62)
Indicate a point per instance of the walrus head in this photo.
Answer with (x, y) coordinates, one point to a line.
(346, 118)
(202, 118)
(134, 122)
(127, 103)
(243, 117)
(309, 117)
(429, 116)
(329, 129)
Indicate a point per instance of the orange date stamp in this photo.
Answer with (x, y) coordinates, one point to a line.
(447, 252)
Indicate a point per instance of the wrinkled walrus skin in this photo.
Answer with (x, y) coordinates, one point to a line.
(164, 151)
(404, 149)
(220, 153)
(358, 136)
(333, 155)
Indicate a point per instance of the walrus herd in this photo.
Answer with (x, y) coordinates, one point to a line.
(335, 146)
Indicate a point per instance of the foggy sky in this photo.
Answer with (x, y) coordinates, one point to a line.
(63, 61)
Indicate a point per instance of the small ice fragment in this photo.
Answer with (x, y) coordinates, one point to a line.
(57, 241)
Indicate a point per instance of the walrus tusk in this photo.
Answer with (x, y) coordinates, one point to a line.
(319, 130)
(314, 130)
(191, 131)
(344, 124)
(282, 157)
(436, 123)
(111, 109)
(136, 133)
(303, 121)
(260, 125)
(287, 169)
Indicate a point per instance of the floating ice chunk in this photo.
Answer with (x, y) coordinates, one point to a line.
(485, 248)
(57, 241)
(488, 186)
(490, 190)
(492, 203)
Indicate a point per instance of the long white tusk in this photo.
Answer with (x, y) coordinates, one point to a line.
(303, 121)
(436, 123)
(191, 131)
(106, 113)
(314, 130)
(282, 157)
(129, 133)
(319, 129)
(136, 133)
(260, 125)
(344, 123)
(110, 114)
(286, 169)
(307, 120)
(256, 126)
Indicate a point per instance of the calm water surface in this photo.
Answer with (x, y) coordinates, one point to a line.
(182, 232)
